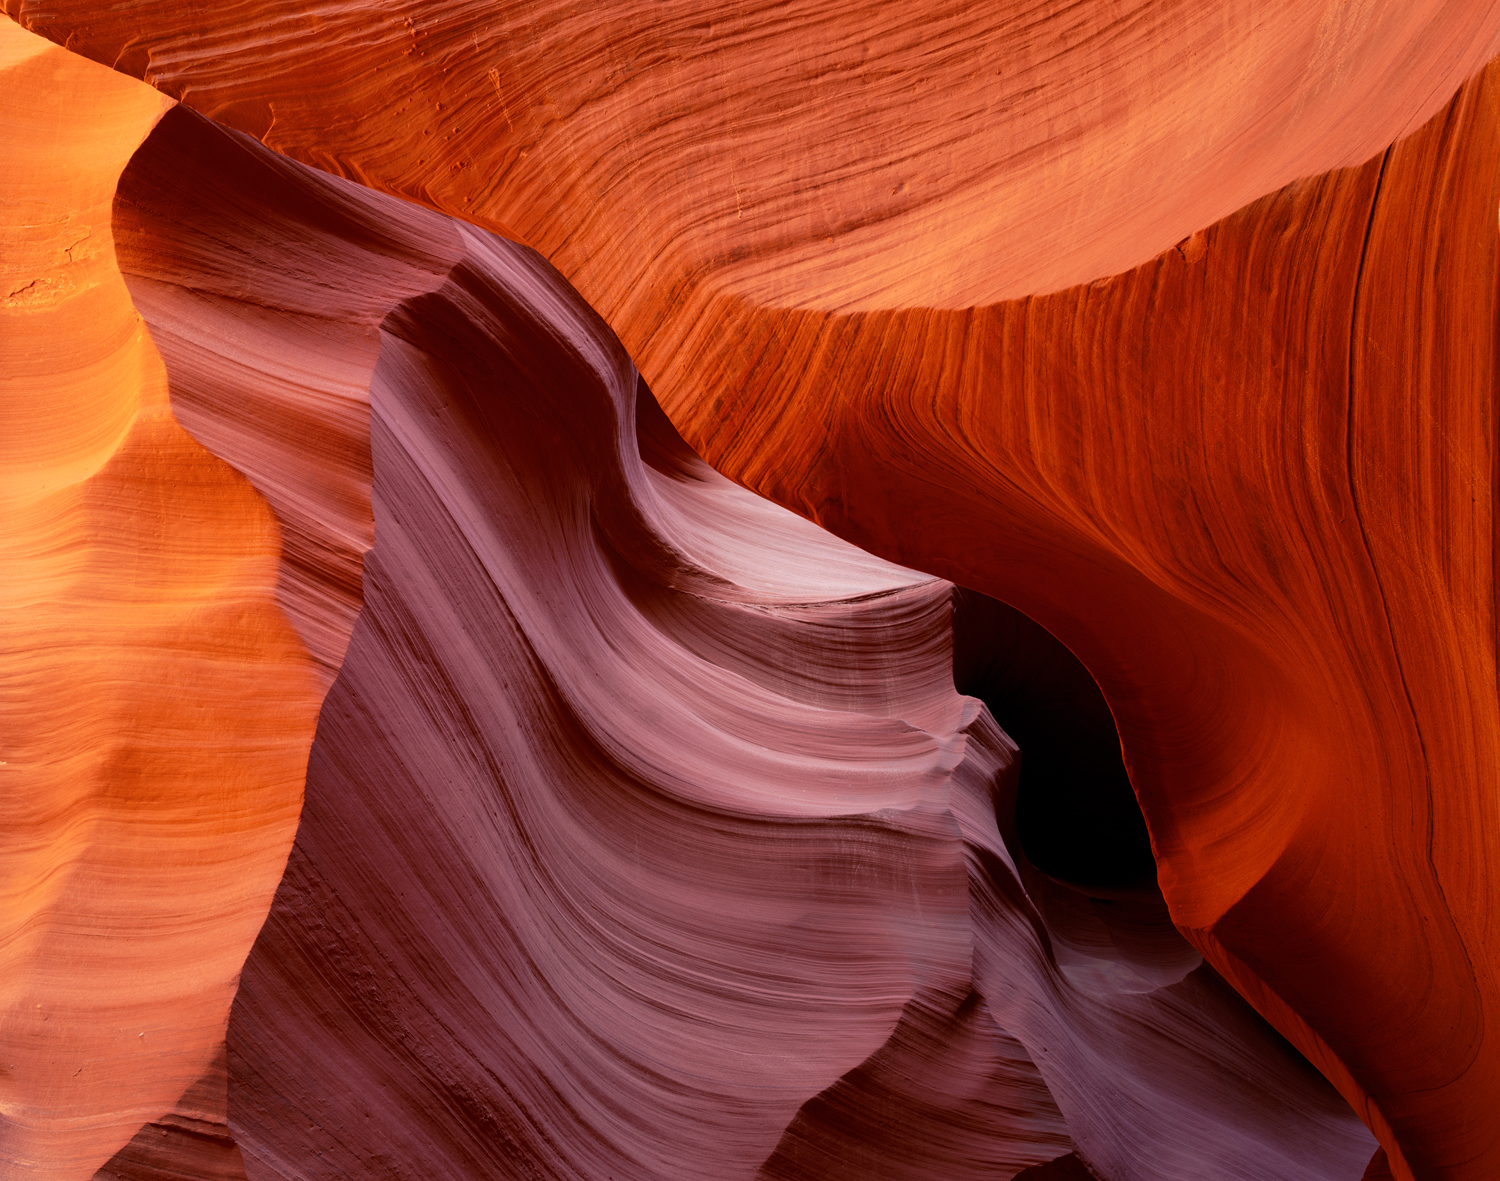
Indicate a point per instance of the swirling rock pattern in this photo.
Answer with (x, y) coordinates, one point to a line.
(645, 834)
(1248, 483)
(812, 154)
(1264, 521)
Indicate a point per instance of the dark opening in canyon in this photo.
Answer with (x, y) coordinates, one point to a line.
(1076, 813)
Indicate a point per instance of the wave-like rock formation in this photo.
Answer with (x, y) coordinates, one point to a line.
(645, 832)
(649, 830)
(1251, 485)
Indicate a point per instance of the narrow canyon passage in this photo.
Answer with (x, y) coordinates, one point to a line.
(791, 592)
(1075, 812)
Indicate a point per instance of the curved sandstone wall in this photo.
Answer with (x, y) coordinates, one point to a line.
(645, 832)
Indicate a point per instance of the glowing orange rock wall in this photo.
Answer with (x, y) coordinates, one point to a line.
(1250, 483)
(158, 707)
(811, 154)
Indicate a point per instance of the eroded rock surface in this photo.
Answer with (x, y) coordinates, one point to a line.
(1251, 486)
(645, 832)
(1246, 488)
(158, 706)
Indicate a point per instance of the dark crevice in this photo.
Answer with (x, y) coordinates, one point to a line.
(1076, 814)
(1064, 1168)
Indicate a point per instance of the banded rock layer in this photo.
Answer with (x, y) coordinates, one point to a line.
(158, 707)
(1249, 484)
(645, 834)
(814, 154)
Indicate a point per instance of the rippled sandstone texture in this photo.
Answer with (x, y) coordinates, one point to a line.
(158, 707)
(645, 834)
(807, 154)
(1251, 485)
(1248, 483)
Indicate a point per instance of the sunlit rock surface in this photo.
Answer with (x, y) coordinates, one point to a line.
(646, 833)
(158, 708)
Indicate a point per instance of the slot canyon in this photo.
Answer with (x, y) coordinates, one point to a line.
(799, 591)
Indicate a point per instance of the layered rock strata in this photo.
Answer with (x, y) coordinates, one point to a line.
(158, 706)
(1249, 483)
(645, 833)
(809, 154)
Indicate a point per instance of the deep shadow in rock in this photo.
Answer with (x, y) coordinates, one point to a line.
(1076, 813)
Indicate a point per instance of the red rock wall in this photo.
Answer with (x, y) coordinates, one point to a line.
(191, 1142)
(808, 154)
(1248, 483)
(645, 833)
(1251, 485)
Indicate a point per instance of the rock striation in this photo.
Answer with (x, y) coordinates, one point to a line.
(158, 707)
(646, 833)
(1251, 485)
(812, 154)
